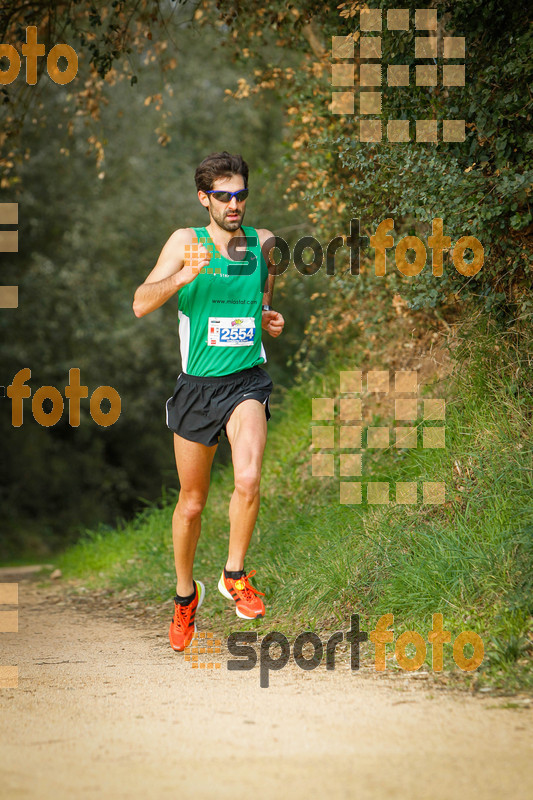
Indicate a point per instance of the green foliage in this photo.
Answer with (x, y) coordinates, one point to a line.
(110, 37)
(86, 243)
(480, 187)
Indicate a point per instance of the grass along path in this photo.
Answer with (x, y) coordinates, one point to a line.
(319, 561)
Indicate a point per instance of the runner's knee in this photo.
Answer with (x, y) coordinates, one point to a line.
(190, 506)
(247, 483)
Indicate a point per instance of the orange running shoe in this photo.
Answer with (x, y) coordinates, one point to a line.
(248, 604)
(183, 627)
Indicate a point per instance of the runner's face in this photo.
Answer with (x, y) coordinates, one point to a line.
(229, 216)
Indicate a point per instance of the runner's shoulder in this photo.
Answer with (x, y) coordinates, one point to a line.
(183, 235)
(180, 238)
(264, 234)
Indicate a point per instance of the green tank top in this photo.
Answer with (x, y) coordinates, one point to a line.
(220, 311)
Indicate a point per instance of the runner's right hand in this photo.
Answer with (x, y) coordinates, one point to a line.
(194, 264)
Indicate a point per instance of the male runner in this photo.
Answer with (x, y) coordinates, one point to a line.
(223, 305)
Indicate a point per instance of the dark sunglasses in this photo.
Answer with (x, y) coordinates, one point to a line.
(225, 197)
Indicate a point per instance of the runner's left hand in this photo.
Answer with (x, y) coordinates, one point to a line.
(272, 322)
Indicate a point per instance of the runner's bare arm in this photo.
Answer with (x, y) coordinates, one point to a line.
(269, 290)
(171, 272)
(272, 321)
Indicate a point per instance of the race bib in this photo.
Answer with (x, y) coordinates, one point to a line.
(231, 331)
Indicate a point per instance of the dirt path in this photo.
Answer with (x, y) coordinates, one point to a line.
(106, 709)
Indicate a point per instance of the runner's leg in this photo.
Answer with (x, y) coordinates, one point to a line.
(193, 461)
(247, 431)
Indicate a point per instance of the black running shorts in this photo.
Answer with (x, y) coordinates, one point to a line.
(200, 407)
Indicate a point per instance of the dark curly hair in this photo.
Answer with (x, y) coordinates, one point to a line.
(219, 165)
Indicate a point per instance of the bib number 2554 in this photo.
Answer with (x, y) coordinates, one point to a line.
(231, 331)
